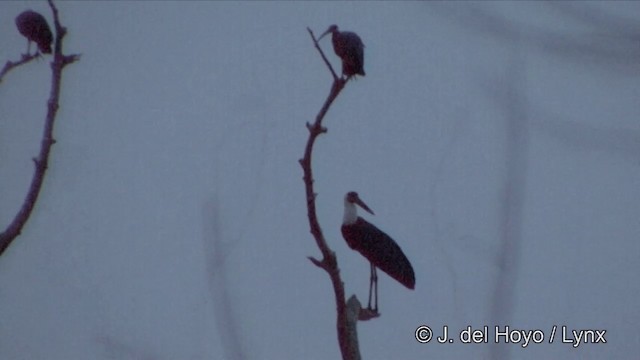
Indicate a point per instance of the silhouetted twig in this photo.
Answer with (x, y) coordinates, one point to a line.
(10, 65)
(326, 61)
(42, 161)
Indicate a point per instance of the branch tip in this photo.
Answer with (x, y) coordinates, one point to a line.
(326, 61)
(70, 59)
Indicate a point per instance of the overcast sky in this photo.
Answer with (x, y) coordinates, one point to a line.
(497, 143)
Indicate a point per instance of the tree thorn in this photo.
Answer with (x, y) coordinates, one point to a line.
(316, 262)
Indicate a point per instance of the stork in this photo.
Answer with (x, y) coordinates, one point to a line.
(35, 28)
(348, 46)
(379, 248)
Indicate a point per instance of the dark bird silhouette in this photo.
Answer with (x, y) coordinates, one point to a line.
(348, 46)
(35, 28)
(379, 248)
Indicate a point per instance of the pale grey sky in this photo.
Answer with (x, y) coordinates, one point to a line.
(496, 142)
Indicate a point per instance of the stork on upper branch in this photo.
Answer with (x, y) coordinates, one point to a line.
(349, 47)
(35, 28)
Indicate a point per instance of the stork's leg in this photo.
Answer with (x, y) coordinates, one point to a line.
(375, 286)
(370, 284)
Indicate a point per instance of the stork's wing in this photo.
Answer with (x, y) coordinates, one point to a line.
(349, 47)
(381, 250)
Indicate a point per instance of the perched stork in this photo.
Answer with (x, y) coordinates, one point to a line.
(349, 48)
(379, 248)
(35, 28)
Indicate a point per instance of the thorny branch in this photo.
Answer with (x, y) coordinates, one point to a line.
(41, 162)
(345, 324)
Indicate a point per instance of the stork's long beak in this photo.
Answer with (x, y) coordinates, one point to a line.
(364, 206)
(324, 33)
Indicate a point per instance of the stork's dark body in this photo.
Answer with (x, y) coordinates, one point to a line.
(35, 28)
(348, 46)
(380, 249)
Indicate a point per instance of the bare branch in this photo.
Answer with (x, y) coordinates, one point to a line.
(348, 347)
(42, 161)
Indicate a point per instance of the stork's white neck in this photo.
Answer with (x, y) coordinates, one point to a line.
(350, 213)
